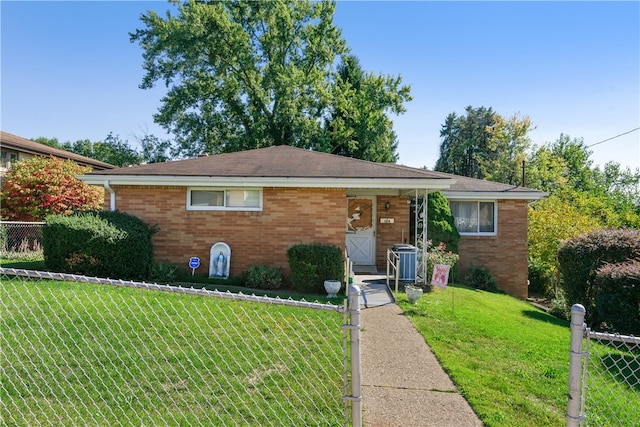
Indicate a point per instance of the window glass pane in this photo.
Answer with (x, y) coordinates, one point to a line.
(207, 198)
(243, 198)
(465, 215)
(486, 217)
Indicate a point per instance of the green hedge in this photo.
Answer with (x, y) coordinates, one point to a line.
(102, 243)
(311, 264)
(581, 258)
(617, 297)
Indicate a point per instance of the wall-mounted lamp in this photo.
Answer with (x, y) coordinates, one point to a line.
(387, 206)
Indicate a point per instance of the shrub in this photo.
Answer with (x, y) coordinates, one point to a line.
(581, 257)
(312, 264)
(540, 277)
(480, 278)
(440, 223)
(439, 255)
(163, 273)
(101, 243)
(559, 306)
(264, 277)
(41, 186)
(617, 297)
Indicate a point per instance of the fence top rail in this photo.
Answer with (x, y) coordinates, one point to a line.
(23, 222)
(628, 339)
(168, 288)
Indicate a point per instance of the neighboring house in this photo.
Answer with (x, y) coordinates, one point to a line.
(14, 149)
(261, 202)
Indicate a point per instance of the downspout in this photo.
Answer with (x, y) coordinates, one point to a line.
(112, 193)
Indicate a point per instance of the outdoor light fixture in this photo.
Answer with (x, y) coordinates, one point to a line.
(387, 206)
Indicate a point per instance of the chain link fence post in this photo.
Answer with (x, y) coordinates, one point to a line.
(576, 354)
(356, 379)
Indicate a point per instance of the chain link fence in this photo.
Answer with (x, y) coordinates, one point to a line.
(604, 384)
(20, 238)
(85, 351)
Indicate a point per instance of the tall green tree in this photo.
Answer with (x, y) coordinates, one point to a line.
(466, 144)
(483, 144)
(243, 74)
(510, 141)
(359, 125)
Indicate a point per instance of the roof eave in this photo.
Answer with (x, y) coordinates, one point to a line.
(210, 181)
(494, 195)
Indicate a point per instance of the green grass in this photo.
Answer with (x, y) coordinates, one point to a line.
(78, 353)
(509, 359)
(27, 261)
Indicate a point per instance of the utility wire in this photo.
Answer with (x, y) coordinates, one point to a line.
(613, 137)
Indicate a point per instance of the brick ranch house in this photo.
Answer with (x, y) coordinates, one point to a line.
(261, 202)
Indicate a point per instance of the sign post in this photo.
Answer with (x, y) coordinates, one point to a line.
(194, 262)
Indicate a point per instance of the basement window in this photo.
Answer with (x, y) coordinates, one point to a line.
(213, 199)
(475, 217)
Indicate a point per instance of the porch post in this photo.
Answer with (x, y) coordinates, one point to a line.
(421, 232)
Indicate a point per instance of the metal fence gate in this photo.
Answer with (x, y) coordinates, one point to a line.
(604, 376)
(84, 351)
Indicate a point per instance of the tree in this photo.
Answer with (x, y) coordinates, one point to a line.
(576, 157)
(112, 150)
(582, 199)
(40, 186)
(510, 141)
(483, 144)
(466, 142)
(359, 126)
(154, 149)
(245, 75)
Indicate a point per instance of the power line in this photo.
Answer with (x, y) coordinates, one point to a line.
(613, 137)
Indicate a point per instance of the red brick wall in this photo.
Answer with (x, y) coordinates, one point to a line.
(289, 216)
(390, 234)
(505, 255)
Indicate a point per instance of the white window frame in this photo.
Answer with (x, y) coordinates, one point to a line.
(479, 233)
(224, 207)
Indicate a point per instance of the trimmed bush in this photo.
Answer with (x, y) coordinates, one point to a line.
(480, 278)
(264, 277)
(312, 264)
(581, 257)
(617, 297)
(99, 243)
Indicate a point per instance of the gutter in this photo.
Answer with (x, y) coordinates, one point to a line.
(112, 193)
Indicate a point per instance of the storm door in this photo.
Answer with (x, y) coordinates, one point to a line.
(361, 233)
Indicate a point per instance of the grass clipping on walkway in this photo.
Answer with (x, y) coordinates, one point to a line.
(510, 359)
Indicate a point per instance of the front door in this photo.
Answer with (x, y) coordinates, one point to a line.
(361, 233)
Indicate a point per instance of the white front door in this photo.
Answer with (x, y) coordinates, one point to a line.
(361, 233)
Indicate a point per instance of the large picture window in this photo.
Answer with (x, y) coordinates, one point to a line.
(474, 217)
(224, 199)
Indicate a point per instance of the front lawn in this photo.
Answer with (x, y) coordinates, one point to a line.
(81, 353)
(510, 359)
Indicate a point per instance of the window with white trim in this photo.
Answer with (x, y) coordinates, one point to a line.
(204, 199)
(475, 217)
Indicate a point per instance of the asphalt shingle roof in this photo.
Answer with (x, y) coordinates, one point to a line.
(24, 145)
(278, 161)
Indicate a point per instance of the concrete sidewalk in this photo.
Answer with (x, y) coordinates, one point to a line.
(403, 383)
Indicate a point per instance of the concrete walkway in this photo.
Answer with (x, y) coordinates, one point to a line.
(402, 382)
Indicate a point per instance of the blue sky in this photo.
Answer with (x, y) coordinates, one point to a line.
(70, 72)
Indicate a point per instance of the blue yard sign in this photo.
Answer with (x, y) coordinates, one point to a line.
(194, 262)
